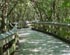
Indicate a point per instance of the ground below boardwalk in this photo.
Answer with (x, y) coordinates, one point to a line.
(37, 43)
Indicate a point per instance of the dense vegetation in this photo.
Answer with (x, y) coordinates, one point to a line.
(42, 10)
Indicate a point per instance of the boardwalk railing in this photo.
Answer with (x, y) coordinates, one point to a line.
(8, 42)
(60, 29)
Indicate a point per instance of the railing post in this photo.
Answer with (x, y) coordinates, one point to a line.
(1, 51)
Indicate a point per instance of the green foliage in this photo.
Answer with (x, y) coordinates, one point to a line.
(41, 10)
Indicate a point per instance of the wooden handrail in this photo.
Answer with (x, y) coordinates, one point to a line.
(8, 42)
(53, 23)
(62, 30)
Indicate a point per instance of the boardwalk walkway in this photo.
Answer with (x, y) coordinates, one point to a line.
(37, 43)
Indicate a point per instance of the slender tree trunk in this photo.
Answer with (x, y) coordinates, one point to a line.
(4, 16)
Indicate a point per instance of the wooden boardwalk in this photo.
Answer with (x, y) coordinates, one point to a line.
(37, 43)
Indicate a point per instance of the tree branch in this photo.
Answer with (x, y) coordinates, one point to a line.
(12, 9)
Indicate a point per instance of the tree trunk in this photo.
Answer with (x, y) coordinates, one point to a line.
(4, 16)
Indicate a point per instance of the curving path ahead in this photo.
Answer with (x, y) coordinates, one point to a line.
(37, 43)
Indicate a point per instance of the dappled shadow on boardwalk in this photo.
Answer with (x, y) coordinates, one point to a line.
(37, 43)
